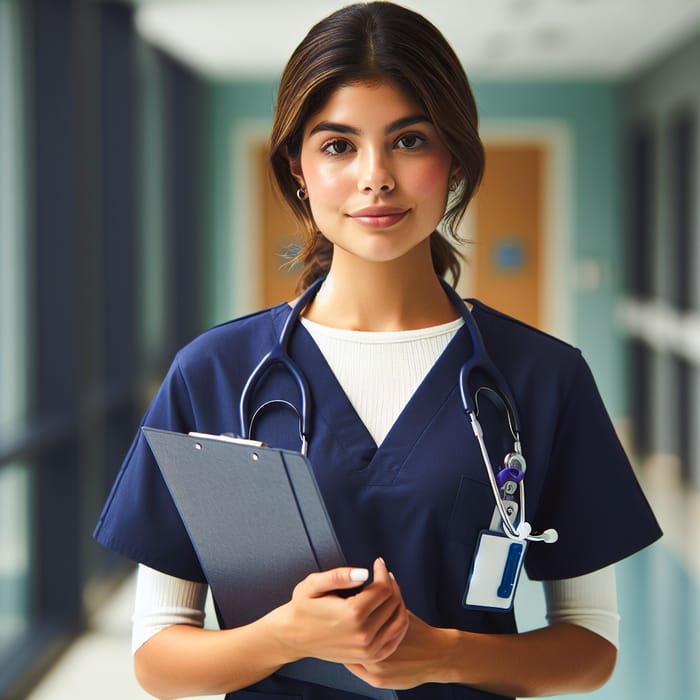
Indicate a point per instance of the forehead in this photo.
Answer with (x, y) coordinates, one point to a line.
(366, 102)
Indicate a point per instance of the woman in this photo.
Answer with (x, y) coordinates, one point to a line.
(374, 145)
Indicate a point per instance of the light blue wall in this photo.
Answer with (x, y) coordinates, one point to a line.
(228, 106)
(592, 114)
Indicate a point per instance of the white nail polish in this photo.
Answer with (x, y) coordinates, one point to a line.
(359, 575)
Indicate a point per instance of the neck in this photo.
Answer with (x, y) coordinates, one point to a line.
(381, 297)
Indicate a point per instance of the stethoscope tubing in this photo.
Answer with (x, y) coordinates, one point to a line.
(279, 355)
(511, 531)
(480, 360)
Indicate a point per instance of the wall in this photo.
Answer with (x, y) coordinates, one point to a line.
(591, 112)
(230, 108)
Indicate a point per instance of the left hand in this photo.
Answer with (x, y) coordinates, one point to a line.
(420, 658)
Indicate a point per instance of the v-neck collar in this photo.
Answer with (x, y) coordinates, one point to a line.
(330, 404)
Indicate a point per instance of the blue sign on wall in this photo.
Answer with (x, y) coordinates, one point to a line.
(509, 255)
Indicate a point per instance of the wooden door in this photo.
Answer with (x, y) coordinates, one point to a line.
(504, 267)
(278, 238)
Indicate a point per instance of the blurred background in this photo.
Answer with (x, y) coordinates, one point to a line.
(135, 212)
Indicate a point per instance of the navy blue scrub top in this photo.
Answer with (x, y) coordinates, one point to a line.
(419, 499)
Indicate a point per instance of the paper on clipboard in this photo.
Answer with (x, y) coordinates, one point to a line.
(259, 525)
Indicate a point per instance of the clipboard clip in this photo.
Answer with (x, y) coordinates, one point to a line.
(226, 437)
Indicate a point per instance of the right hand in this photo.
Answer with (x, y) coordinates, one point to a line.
(365, 627)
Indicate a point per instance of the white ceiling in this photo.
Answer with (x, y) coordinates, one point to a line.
(494, 38)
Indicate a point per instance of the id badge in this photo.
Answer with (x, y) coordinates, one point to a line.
(498, 561)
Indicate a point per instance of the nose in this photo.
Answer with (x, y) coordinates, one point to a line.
(375, 173)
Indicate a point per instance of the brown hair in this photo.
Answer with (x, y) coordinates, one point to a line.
(377, 41)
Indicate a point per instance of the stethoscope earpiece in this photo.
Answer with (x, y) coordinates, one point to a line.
(524, 532)
(550, 536)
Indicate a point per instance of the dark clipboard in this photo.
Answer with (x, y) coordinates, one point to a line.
(258, 523)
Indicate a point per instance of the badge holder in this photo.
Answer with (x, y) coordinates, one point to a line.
(495, 571)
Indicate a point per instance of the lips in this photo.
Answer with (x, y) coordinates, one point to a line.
(378, 217)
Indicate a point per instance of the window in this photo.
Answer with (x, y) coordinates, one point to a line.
(12, 229)
(14, 476)
(14, 555)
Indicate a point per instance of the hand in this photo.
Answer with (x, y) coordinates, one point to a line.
(365, 627)
(417, 660)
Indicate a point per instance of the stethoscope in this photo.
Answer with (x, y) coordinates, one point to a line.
(506, 484)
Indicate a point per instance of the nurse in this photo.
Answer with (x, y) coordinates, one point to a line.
(375, 148)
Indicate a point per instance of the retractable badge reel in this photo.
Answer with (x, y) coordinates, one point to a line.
(498, 557)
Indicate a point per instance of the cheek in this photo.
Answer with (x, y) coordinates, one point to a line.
(431, 178)
(324, 183)
(328, 192)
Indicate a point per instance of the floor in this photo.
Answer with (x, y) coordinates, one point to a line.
(659, 598)
(101, 659)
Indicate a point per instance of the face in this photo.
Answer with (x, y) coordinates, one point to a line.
(376, 172)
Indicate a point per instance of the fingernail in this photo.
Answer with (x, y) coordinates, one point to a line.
(359, 574)
(392, 576)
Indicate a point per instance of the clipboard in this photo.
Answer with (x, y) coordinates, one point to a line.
(259, 525)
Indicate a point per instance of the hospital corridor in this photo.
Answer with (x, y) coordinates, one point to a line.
(659, 598)
(137, 211)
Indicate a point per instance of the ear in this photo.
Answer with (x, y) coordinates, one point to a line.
(295, 168)
(456, 174)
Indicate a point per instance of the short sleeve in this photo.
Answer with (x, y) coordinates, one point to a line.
(140, 520)
(591, 495)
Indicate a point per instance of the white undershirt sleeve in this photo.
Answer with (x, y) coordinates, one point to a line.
(162, 600)
(589, 601)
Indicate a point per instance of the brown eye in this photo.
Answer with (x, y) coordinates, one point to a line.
(410, 141)
(338, 147)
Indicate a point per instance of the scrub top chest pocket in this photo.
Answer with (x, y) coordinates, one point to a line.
(471, 512)
(491, 561)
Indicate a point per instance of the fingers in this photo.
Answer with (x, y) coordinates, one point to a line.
(344, 578)
(319, 584)
(365, 627)
(389, 621)
(381, 616)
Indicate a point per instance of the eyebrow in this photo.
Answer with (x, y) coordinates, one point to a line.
(394, 126)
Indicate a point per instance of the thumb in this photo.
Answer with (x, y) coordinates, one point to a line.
(341, 578)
